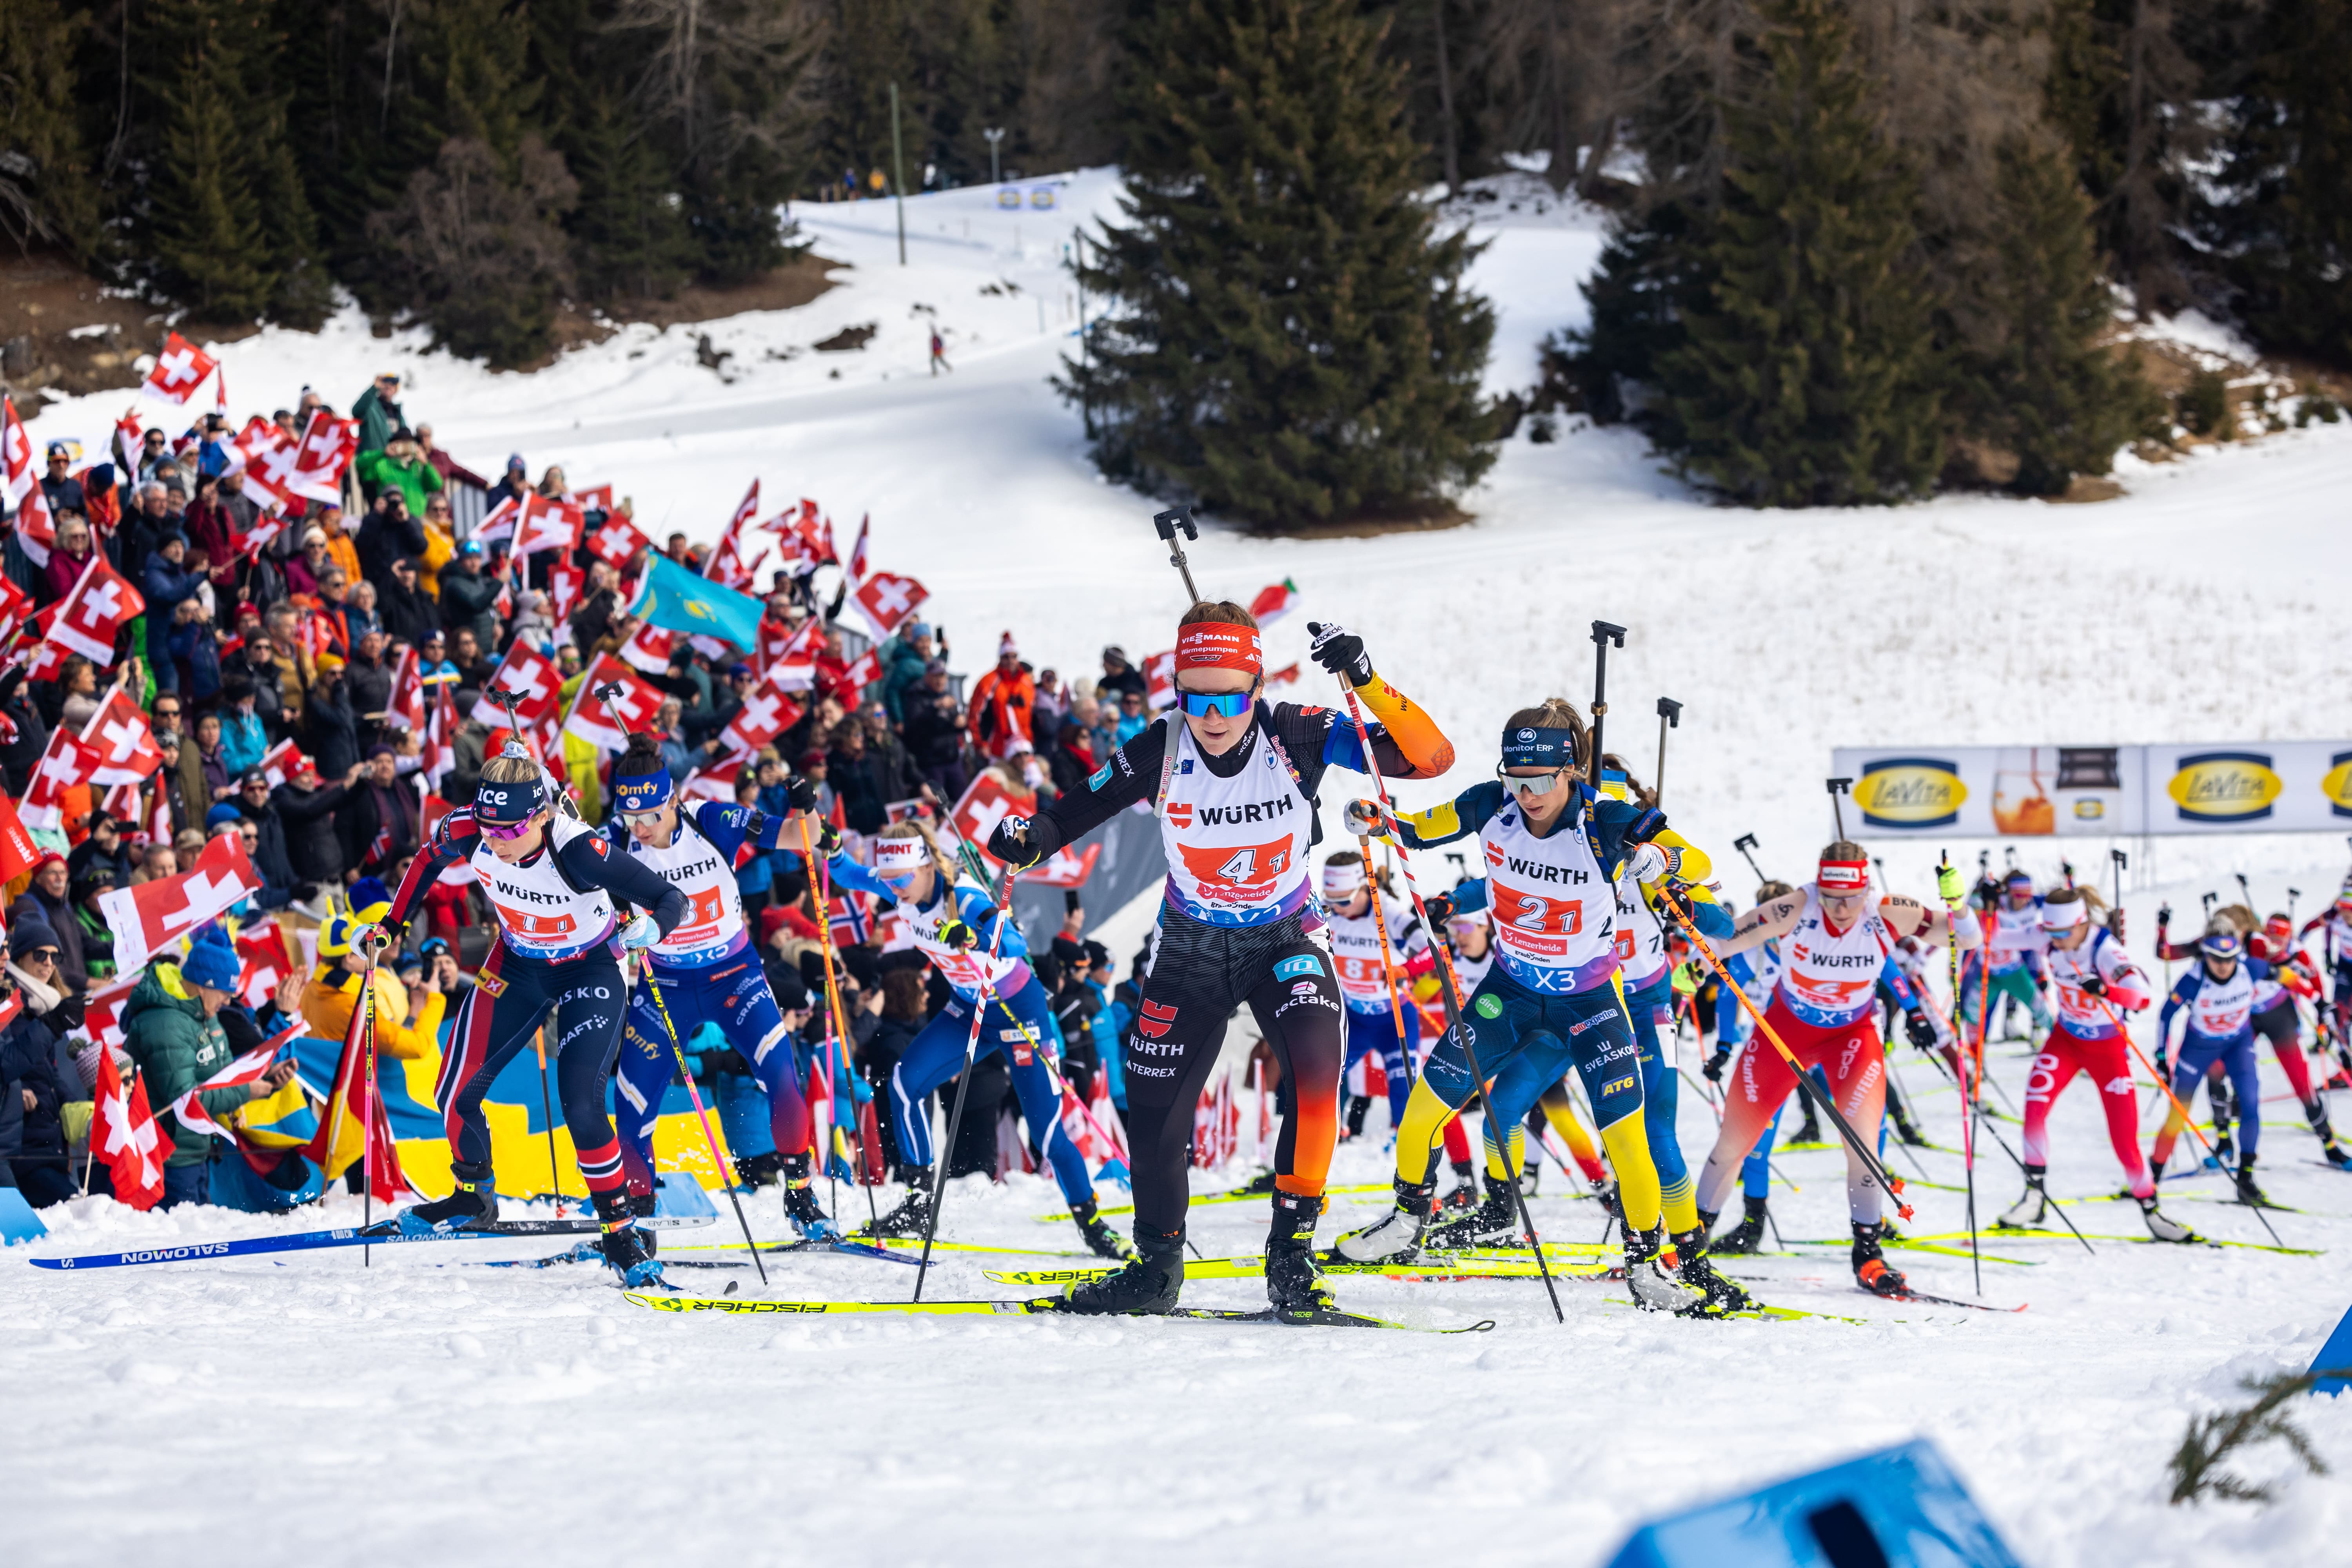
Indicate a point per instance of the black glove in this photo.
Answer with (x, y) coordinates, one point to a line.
(2163, 1068)
(1009, 842)
(802, 793)
(828, 840)
(1714, 1069)
(2163, 916)
(1340, 651)
(1918, 1030)
(2095, 985)
(958, 935)
(1440, 907)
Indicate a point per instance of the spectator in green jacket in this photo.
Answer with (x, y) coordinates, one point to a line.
(172, 1028)
(903, 657)
(378, 411)
(402, 465)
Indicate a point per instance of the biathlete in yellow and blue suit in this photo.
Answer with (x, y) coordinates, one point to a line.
(1554, 998)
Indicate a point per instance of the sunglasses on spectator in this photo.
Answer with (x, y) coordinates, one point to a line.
(43, 955)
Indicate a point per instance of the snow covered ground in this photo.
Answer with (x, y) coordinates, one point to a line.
(378, 1414)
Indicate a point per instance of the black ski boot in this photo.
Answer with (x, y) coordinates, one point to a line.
(1653, 1289)
(1718, 1296)
(810, 1222)
(1748, 1236)
(643, 1206)
(623, 1245)
(1149, 1283)
(2028, 1211)
(1903, 1130)
(1358, 1106)
(472, 1206)
(1262, 1183)
(1494, 1223)
(1104, 1241)
(1463, 1196)
(1293, 1283)
(1396, 1236)
(761, 1170)
(2224, 1103)
(2330, 1150)
(911, 1217)
(1810, 1129)
(1869, 1269)
(2249, 1193)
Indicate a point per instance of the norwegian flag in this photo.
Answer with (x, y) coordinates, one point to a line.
(885, 599)
(329, 444)
(179, 370)
(101, 604)
(124, 1134)
(533, 676)
(127, 751)
(564, 583)
(405, 708)
(848, 918)
(548, 524)
(269, 963)
(1160, 679)
(69, 760)
(248, 1069)
(606, 724)
(857, 567)
(615, 542)
(440, 753)
(279, 761)
(864, 671)
(767, 712)
(649, 648)
(148, 919)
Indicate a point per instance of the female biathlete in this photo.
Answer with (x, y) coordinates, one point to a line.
(1554, 852)
(1756, 972)
(2217, 995)
(704, 971)
(2098, 986)
(1374, 966)
(1837, 946)
(2012, 944)
(954, 927)
(553, 883)
(1234, 784)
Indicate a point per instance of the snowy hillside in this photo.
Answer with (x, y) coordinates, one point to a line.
(469, 1411)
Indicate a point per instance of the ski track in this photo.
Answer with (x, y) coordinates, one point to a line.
(376, 1414)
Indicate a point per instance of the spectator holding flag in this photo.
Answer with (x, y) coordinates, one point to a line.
(1002, 702)
(172, 1028)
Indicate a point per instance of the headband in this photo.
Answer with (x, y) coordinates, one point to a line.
(897, 856)
(1845, 876)
(649, 792)
(1213, 645)
(2064, 917)
(503, 805)
(1531, 748)
(1342, 880)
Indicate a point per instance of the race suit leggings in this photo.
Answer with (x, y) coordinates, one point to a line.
(1198, 974)
(498, 1019)
(733, 993)
(1856, 1064)
(1375, 1034)
(2107, 1064)
(2236, 1055)
(936, 1054)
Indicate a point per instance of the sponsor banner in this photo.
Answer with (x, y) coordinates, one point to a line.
(2094, 791)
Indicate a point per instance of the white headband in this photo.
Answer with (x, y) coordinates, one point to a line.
(1342, 879)
(900, 854)
(2064, 917)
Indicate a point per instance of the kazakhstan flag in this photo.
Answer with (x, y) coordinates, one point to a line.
(675, 599)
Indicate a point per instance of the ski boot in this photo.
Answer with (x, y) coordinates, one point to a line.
(2249, 1193)
(1605, 1189)
(643, 1206)
(473, 1207)
(623, 1245)
(1463, 1196)
(1104, 1241)
(1903, 1130)
(1653, 1289)
(1869, 1269)
(1494, 1223)
(1718, 1296)
(1530, 1178)
(2224, 1103)
(1748, 1236)
(2030, 1211)
(1149, 1283)
(809, 1219)
(911, 1217)
(1808, 1130)
(761, 1170)
(1395, 1235)
(2331, 1150)
(1358, 1106)
(1293, 1284)
(2160, 1226)
(1261, 1183)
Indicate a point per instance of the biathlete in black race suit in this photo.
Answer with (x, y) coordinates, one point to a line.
(1234, 786)
(554, 883)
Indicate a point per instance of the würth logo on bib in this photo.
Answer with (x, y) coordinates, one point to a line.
(1180, 813)
(1158, 1018)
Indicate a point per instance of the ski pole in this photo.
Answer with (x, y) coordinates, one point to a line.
(1890, 1183)
(1603, 635)
(836, 1022)
(709, 1134)
(1500, 1133)
(2014, 1159)
(1168, 522)
(1670, 717)
(2179, 1109)
(367, 1100)
(963, 1080)
(1947, 880)
(547, 1115)
(1388, 966)
(1743, 843)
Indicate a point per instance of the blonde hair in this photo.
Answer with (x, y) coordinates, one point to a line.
(2235, 917)
(1771, 890)
(1558, 713)
(1845, 849)
(916, 827)
(504, 769)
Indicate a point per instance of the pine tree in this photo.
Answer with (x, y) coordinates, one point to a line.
(628, 233)
(1290, 339)
(476, 247)
(45, 190)
(1809, 377)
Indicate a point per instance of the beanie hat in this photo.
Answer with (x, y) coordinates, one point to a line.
(221, 815)
(212, 961)
(29, 934)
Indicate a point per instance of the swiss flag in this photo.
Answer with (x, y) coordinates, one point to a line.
(269, 963)
(36, 529)
(69, 760)
(129, 442)
(126, 746)
(864, 672)
(124, 1134)
(988, 801)
(248, 1069)
(440, 753)
(745, 511)
(548, 524)
(793, 662)
(857, 567)
(499, 523)
(716, 782)
(727, 565)
(1160, 679)
(649, 649)
(328, 444)
(606, 725)
(767, 712)
(18, 853)
(279, 761)
(16, 608)
(564, 583)
(248, 541)
(615, 542)
(268, 459)
(533, 676)
(179, 370)
(885, 599)
(101, 604)
(20, 482)
(151, 917)
(103, 1017)
(1064, 869)
(406, 709)
(596, 497)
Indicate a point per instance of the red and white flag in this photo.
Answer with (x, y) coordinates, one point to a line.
(440, 753)
(1065, 868)
(793, 665)
(123, 1133)
(278, 762)
(857, 567)
(266, 459)
(615, 542)
(532, 676)
(863, 672)
(745, 511)
(329, 444)
(102, 1018)
(564, 583)
(130, 446)
(269, 963)
(767, 712)
(69, 760)
(986, 802)
(18, 853)
(126, 746)
(649, 648)
(595, 498)
(101, 604)
(248, 1069)
(715, 782)
(1160, 679)
(1274, 601)
(248, 541)
(886, 600)
(21, 481)
(179, 370)
(606, 723)
(497, 524)
(548, 524)
(151, 917)
(405, 708)
(727, 566)
(16, 607)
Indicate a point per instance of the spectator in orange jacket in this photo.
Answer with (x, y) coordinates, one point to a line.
(1003, 702)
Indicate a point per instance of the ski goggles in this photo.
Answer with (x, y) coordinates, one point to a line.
(504, 810)
(1229, 704)
(503, 831)
(1538, 783)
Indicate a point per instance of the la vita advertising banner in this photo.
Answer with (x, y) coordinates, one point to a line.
(2026, 792)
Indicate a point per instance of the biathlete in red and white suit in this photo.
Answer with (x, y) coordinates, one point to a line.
(1835, 941)
(1233, 780)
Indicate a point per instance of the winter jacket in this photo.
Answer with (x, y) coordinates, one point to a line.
(378, 418)
(28, 1061)
(1000, 708)
(373, 809)
(902, 672)
(21, 754)
(934, 729)
(58, 916)
(195, 661)
(244, 742)
(331, 729)
(177, 1047)
(307, 840)
(409, 614)
(467, 600)
(382, 539)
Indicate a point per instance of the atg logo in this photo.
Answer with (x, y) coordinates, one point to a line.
(1910, 792)
(2224, 787)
